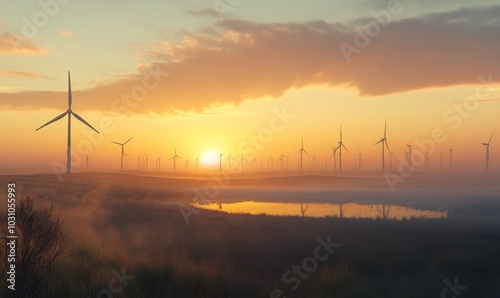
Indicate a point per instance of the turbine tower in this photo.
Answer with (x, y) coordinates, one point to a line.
(229, 159)
(69, 112)
(409, 154)
(123, 152)
(241, 162)
(341, 144)
(175, 157)
(146, 161)
(441, 160)
(300, 151)
(383, 141)
(197, 163)
(451, 158)
(488, 153)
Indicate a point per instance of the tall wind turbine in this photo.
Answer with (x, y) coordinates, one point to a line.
(68, 112)
(175, 157)
(383, 141)
(123, 151)
(488, 153)
(300, 151)
(341, 145)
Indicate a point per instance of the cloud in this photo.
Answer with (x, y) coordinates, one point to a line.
(64, 33)
(207, 12)
(238, 60)
(12, 44)
(21, 74)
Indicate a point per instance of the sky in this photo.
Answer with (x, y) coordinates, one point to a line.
(249, 78)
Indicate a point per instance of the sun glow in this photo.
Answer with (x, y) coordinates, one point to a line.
(210, 159)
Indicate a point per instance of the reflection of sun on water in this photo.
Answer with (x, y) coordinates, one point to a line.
(210, 159)
(347, 210)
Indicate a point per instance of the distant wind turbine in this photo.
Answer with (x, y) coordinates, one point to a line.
(410, 158)
(175, 157)
(197, 163)
(123, 151)
(69, 112)
(242, 160)
(383, 141)
(158, 163)
(334, 155)
(253, 163)
(341, 145)
(229, 159)
(146, 161)
(187, 164)
(87, 161)
(441, 160)
(451, 158)
(300, 151)
(488, 153)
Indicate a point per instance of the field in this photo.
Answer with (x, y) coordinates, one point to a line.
(141, 228)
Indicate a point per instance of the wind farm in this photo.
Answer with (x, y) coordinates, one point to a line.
(321, 149)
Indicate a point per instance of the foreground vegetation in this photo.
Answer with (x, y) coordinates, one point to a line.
(138, 234)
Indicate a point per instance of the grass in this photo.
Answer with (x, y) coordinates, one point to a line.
(141, 231)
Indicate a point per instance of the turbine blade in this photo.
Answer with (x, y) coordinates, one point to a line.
(70, 98)
(305, 152)
(53, 120)
(116, 143)
(491, 137)
(83, 121)
(378, 142)
(128, 140)
(387, 146)
(385, 129)
(346, 149)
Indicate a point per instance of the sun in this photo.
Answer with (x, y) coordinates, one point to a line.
(210, 159)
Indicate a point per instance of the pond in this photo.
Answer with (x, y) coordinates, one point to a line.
(347, 210)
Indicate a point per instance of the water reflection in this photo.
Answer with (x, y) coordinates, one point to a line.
(347, 210)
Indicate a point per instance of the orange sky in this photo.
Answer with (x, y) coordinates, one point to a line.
(213, 83)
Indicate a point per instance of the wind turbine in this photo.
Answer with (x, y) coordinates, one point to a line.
(281, 160)
(197, 163)
(334, 155)
(287, 160)
(340, 150)
(314, 162)
(383, 141)
(270, 161)
(87, 161)
(360, 161)
(441, 159)
(139, 163)
(175, 157)
(123, 151)
(451, 158)
(187, 164)
(158, 162)
(488, 153)
(409, 154)
(426, 161)
(241, 162)
(146, 161)
(253, 163)
(229, 159)
(300, 151)
(68, 112)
